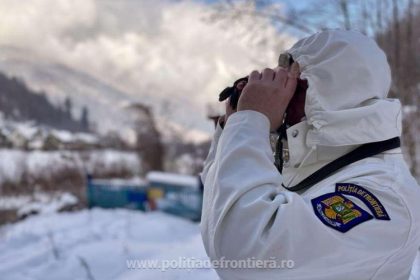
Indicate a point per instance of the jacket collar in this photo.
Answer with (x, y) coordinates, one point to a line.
(303, 160)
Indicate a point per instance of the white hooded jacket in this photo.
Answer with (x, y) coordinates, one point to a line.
(327, 231)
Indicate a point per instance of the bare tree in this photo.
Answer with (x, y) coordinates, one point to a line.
(149, 142)
(397, 36)
(344, 6)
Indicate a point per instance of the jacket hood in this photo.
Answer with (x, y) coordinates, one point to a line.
(349, 79)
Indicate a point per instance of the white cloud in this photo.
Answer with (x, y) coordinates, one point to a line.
(153, 48)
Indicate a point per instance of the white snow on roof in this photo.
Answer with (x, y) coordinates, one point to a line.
(26, 129)
(116, 182)
(68, 137)
(63, 135)
(87, 138)
(171, 178)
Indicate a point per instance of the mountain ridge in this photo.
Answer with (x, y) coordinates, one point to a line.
(106, 104)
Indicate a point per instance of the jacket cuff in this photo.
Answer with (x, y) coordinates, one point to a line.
(254, 120)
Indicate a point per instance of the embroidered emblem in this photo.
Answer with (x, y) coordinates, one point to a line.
(371, 201)
(338, 212)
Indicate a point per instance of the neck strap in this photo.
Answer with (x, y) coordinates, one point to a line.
(362, 152)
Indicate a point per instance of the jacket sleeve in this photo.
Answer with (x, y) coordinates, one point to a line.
(212, 153)
(242, 191)
(246, 214)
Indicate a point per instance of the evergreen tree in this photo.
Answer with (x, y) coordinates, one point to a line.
(84, 119)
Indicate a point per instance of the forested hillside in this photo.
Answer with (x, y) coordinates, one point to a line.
(19, 103)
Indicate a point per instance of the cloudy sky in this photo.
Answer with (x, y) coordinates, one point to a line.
(167, 48)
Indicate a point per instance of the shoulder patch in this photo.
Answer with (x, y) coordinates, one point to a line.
(371, 201)
(338, 212)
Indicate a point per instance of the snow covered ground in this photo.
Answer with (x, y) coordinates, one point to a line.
(39, 202)
(96, 245)
(99, 244)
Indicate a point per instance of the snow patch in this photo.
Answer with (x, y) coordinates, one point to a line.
(15, 164)
(98, 243)
(173, 179)
(46, 204)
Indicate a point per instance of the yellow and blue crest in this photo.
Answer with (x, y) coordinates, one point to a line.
(340, 213)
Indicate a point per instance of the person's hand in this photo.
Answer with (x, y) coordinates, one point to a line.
(269, 93)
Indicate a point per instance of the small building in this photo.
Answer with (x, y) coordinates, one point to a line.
(117, 193)
(176, 194)
(18, 140)
(180, 195)
(52, 142)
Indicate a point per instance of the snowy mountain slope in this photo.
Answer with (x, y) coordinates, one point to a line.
(18, 103)
(107, 105)
(58, 82)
